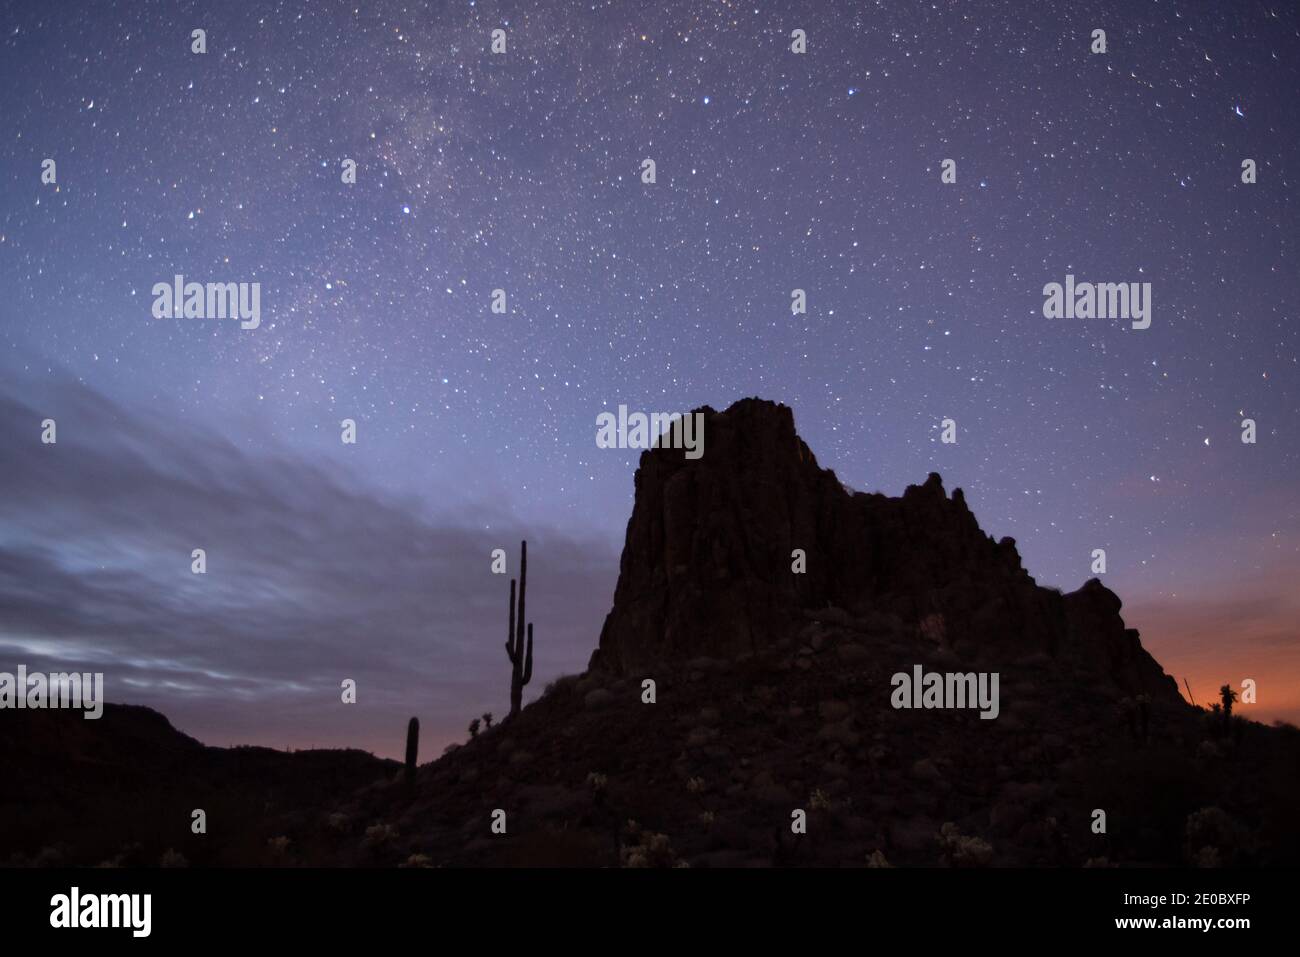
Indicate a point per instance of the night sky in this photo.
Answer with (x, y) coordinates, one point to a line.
(475, 171)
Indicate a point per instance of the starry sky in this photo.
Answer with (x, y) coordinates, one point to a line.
(522, 171)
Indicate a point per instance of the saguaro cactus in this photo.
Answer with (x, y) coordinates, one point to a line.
(521, 660)
(412, 746)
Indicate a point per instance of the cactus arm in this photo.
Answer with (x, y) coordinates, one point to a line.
(523, 588)
(510, 634)
(528, 663)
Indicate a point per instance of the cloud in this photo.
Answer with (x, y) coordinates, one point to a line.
(312, 577)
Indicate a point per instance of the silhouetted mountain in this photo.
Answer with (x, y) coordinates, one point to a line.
(773, 694)
(706, 568)
(121, 790)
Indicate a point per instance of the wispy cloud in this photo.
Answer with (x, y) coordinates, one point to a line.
(312, 577)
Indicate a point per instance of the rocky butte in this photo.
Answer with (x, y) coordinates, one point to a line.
(706, 567)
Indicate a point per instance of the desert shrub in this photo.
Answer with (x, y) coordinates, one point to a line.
(378, 835)
(48, 857)
(650, 850)
(1213, 838)
(959, 850)
(563, 685)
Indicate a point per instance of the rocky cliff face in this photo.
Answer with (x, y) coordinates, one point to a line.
(707, 565)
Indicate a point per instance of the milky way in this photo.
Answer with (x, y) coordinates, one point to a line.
(522, 171)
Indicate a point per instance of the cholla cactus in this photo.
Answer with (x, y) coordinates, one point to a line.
(473, 728)
(278, 846)
(377, 835)
(1210, 835)
(597, 781)
(695, 785)
(960, 850)
(877, 859)
(654, 850)
(173, 858)
(1228, 697)
(819, 801)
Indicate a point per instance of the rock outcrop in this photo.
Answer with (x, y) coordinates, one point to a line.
(707, 565)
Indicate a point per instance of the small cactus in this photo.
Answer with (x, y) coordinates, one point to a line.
(379, 835)
(960, 850)
(1228, 697)
(652, 850)
(412, 747)
(473, 728)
